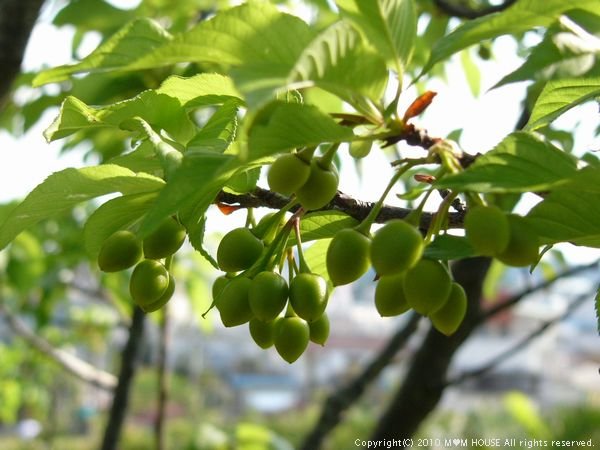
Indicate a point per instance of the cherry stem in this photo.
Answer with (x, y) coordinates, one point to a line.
(302, 262)
(365, 226)
(306, 154)
(440, 217)
(327, 158)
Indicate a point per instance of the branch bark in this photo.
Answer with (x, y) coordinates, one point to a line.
(120, 402)
(464, 12)
(339, 401)
(17, 18)
(71, 363)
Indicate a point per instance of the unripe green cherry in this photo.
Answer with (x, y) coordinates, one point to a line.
(232, 303)
(119, 251)
(389, 296)
(487, 229)
(288, 173)
(163, 300)
(319, 329)
(523, 245)
(347, 256)
(291, 337)
(427, 286)
(320, 188)
(149, 281)
(308, 295)
(238, 250)
(396, 247)
(268, 295)
(165, 240)
(218, 285)
(448, 318)
(262, 333)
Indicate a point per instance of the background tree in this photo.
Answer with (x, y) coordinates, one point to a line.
(191, 111)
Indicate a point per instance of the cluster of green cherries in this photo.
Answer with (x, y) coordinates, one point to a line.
(286, 315)
(151, 284)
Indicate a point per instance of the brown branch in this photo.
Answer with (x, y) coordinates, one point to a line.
(71, 363)
(463, 12)
(17, 18)
(118, 409)
(357, 209)
(163, 381)
(520, 345)
(340, 400)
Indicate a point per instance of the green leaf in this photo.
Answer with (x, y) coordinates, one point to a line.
(570, 212)
(522, 162)
(389, 25)
(196, 233)
(192, 187)
(116, 214)
(335, 61)
(134, 40)
(219, 131)
(142, 159)
(523, 16)
(446, 247)
(199, 90)
(159, 110)
(316, 258)
(323, 225)
(293, 125)
(559, 96)
(63, 190)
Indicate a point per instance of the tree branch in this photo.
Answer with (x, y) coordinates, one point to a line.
(513, 300)
(520, 345)
(357, 209)
(163, 381)
(17, 18)
(71, 363)
(116, 416)
(340, 400)
(452, 9)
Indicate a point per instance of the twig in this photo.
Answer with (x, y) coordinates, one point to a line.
(520, 345)
(71, 363)
(340, 400)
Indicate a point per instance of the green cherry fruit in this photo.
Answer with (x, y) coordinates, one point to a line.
(308, 295)
(149, 281)
(238, 250)
(162, 301)
(448, 318)
(427, 286)
(319, 330)
(268, 295)
(320, 187)
(396, 247)
(288, 173)
(389, 296)
(262, 332)
(291, 336)
(119, 251)
(347, 256)
(523, 245)
(232, 304)
(218, 285)
(165, 240)
(487, 229)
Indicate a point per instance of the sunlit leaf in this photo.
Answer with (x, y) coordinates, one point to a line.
(570, 212)
(521, 162)
(559, 96)
(63, 190)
